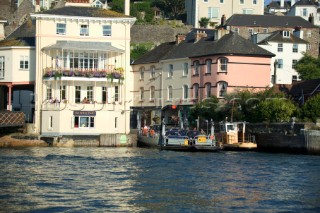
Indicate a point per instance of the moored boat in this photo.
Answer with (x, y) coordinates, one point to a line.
(232, 136)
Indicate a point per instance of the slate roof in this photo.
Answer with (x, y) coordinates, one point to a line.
(84, 12)
(276, 4)
(305, 3)
(277, 36)
(156, 54)
(22, 36)
(229, 44)
(268, 21)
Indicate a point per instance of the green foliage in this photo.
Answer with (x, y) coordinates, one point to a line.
(139, 50)
(118, 6)
(311, 109)
(308, 67)
(172, 8)
(204, 22)
(205, 109)
(276, 109)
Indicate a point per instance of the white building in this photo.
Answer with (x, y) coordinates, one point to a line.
(288, 49)
(215, 9)
(307, 9)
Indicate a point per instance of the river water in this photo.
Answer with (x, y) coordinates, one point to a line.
(52, 179)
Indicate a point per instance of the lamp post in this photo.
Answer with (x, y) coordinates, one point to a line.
(275, 64)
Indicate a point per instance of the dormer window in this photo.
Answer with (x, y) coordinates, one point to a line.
(286, 34)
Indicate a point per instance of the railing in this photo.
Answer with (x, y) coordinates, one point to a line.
(110, 73)
(8, 118)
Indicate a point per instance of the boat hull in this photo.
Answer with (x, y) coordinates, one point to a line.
(246, 146)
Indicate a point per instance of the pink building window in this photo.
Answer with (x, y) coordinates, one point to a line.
(222, 89)
(208, 66)
(196, 68)
(196, 91)
(223, 64)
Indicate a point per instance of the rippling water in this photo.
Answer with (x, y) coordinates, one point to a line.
(50, 179)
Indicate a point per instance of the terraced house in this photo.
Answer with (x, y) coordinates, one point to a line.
(204, 63)
(81, 65)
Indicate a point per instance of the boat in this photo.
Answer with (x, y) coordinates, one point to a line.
(232, 136)
(177, 139)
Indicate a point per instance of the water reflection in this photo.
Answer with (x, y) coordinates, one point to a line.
(143, 180)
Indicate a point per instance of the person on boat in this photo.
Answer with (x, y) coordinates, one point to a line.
(152, 132)
(202, 132)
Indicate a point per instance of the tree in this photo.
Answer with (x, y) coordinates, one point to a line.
(204, 22)
(138, 51)
(276, 109)
(311, 109)
(172, 8)
(308, 67)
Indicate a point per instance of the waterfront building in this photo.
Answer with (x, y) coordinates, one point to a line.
(196, 66)
(215, 9)
(288, 48)
(281, 6)
(247, 25)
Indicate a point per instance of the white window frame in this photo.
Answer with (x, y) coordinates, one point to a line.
(185, 69)
(63, 92)
(106, 30)
(141, 94)
(208, 90)
(141, 73)
(90, 95)
(152, 93)
(222, 89)
(213, 12)
(82, 124)
(196, 68)
(49, 92)
(61, 29)
(84, 30)
(170, 93)
(247, 11)
(254, 2)
(294, 63)
(208, 66)
(170, 70)
(152, 72)
(280, 65)
(295, 48)
(196, 91)
(24, 62)
(223, 64)
(241, 1)
(2, 66)
(286, 34)
(280, 47)
(77, 94)
(185, 90)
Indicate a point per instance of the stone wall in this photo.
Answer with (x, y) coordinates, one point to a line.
(156, 33)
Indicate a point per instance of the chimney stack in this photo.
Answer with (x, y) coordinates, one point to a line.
(127, 7)
(37, 7)
(199, 35)
(223, 20)
(180, 37)
(311, 18)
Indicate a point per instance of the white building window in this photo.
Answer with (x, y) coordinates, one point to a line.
(77, 95)
(84, 30)
(185, 92)
(309, 34)
(63, 92)
(2, 67)
(24, 62)
(141, 94)
(265, 30)
(97, 4)
(213, 12)
(250, 31)
(83, 122)
(308, 46)
(49, 92)
(254, 1)
(221, 1)
(241, 1)
(104, 95)
(116, 93)
(170, 93)
(304, 12)
(170, 72)
(280, 63)
(61, 29)
(286, 34)
(90, 93)
(152, 93)
(185, 69)
(280, 47)
(208, 66)
(294, 64)
(247, 11)
(295, 48)
(106, 30)
(153, 72)
(141, 73)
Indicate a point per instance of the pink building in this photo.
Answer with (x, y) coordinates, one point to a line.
(228, 64)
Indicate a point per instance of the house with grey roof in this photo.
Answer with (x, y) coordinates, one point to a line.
(247, 25)
(288, 50)
(77, 59)
(309, 10)
(201, 64)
